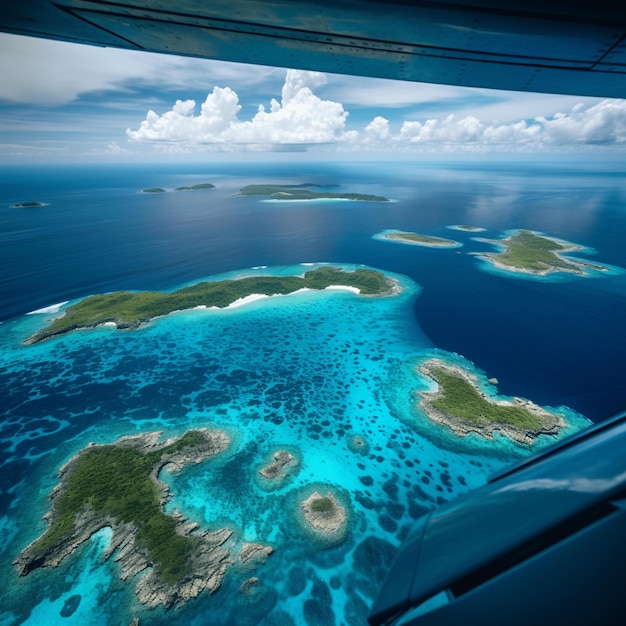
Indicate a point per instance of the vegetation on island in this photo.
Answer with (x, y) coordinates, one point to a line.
(326, 519)
(27, 205)
(418, 238)
(461, 399)
(115, 480)
(528, 252)
(130, 309)
(303, 192)
(195, 187)
(322, 505)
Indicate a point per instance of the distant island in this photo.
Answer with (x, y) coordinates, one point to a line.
(467, 228)
(460, 405)
(128, 310)
(302, 192)
(416, 239)
(529, 253)
(197, 187)
(118, 486)
(27, 205)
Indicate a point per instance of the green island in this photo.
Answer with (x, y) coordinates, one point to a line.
(417, 239)
(460, 405)
(324, 518)
(195, 187)
(303, 192)
(117, 486)
(533, 254)
(128, 310)
(28, 205)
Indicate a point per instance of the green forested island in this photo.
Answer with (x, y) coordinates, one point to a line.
(303, 192)
(128, 310)
(195, 187)
(117, 486)
(417, 239)
(460, 405)
(533, 254)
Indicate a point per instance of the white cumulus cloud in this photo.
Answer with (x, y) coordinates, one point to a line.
(378, 129)
(603, 123)
(300, 117)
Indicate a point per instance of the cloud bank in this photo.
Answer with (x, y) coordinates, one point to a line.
(601, 124)
(300, 117)
(47, 73)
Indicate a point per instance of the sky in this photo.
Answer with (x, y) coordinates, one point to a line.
(69, 102)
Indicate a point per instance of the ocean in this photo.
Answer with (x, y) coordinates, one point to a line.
(306, 372)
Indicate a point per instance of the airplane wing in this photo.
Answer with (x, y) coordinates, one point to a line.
(541, 46)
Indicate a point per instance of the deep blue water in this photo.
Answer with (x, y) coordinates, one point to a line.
(561, 343)
(305, 371)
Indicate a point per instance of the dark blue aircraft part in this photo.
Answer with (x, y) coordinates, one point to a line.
(395, 594)
(551, 46)
(552, 528)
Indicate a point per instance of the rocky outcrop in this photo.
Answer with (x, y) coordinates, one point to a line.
(248, 586)
(209, 562)
(282, 465)
(325, 516)
(253, 554)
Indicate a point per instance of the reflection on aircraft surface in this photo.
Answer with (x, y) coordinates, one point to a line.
(539, 544)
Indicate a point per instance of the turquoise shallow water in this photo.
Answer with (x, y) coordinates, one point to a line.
(304, 372)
